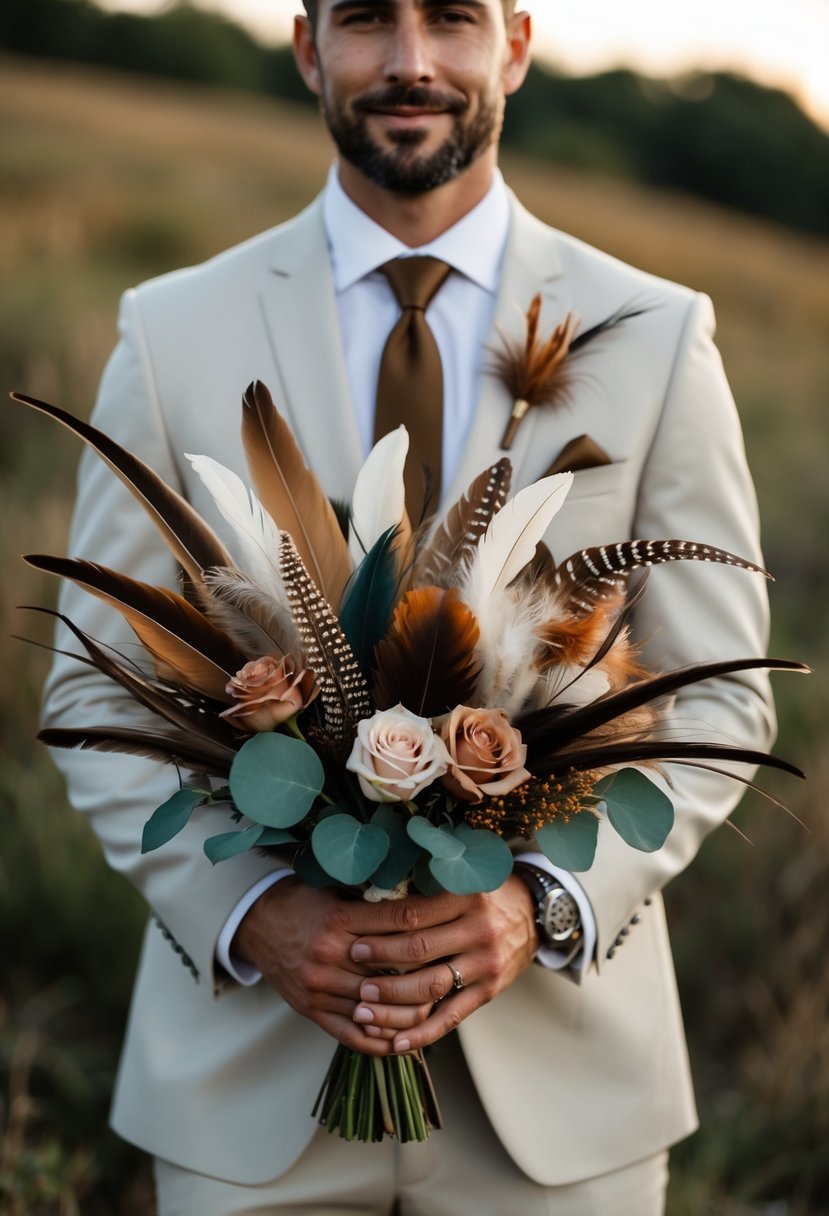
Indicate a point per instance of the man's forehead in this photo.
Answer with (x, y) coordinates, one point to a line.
(337, 6)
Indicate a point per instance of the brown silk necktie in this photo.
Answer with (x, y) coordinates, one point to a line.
(410, 384)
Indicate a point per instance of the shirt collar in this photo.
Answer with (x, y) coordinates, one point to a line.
(358, 245)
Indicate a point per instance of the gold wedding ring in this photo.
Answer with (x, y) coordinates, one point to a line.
(457, 978)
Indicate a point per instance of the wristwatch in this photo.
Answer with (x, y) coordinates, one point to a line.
(556, 911)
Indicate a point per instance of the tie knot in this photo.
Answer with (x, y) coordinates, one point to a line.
(415, 281)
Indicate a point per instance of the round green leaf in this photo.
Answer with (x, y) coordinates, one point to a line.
(571, 845)
(275, 779)
(440, 842)
(309, 869)
(403, 851)
(230, 844)
(169, 818)
(484, 863)
(347, 849)
(275, 836)
(639, 811)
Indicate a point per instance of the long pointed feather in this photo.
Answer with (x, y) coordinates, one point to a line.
(194, 545)
(180, 639)
(592, 576)
(463, 526)
(540, 730)
(169, 747)
(256, 535)
(368, 600)
(343, 689)
(605, 755)
(378, 501)
(168, 702)
(236, 604)
(292, 495)
(510, 541)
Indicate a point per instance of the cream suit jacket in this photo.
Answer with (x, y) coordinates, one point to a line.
(221, 1079)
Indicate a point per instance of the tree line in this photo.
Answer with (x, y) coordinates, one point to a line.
(716, 135)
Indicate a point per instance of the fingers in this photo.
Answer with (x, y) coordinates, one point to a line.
(424, 987)
(446, 1016)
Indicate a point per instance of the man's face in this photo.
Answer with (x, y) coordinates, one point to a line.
(413, 90)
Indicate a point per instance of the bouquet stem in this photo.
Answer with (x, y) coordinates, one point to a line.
(369, 1097)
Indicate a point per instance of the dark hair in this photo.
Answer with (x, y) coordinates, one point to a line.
(310, 7)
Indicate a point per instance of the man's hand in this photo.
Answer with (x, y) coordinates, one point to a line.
(490, 939)
(300, 938)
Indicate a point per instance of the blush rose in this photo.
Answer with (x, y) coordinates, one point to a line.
(486, 753)
(267, 692)
(396, 755)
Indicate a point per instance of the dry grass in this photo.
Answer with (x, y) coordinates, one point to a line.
(106, 180)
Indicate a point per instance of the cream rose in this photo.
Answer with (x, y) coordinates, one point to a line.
(396, 755)
(268, 691)
(486, 753)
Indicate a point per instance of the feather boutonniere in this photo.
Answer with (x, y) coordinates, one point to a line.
(536, 370)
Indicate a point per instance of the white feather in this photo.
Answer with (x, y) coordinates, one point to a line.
(378, 501)
(512, 537)
(507, 619)
(256, 537)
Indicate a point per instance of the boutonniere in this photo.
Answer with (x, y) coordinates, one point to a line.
(536, 370)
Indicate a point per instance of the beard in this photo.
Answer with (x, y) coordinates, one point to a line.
(400, 169)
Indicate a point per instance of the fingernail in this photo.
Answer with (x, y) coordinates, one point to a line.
(363, 1014)
(374, 1031)
(370, 992)
(401, 1045)
(360, 952)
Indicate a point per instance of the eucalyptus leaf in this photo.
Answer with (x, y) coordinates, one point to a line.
(440, 842)
(230, 844)
(638, 810)
(484, 864)
(347, 849)
(309, 869)
(275, 779)
(168, 819)
(275, 836)
(571, 845)
(403, 851)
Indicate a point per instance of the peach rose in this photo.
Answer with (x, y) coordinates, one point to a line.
(268, 691)
(486, 753)
(396, 755)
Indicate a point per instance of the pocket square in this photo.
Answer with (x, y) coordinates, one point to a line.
(580, 453)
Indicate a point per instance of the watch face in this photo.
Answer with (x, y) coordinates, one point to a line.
(561, 915)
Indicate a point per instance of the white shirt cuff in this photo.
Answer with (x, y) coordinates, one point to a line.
(244, 973)
(580, 957)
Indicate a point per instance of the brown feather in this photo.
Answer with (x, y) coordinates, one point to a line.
(168, 746)
(183, 643)
(237, 606)
(426, 661)
(442, 557)
(598, 575)
(344, 693)
(194, 545)
(530, 367)
(292, 495)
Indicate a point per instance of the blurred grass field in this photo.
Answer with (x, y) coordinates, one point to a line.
(105, 181)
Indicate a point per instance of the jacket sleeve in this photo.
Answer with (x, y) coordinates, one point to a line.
(189, 898)
(695, 486)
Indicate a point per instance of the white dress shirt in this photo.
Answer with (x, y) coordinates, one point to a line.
(460, 316)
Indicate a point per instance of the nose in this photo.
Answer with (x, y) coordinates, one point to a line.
(408, 60)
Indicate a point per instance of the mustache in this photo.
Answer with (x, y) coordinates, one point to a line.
(418, 96)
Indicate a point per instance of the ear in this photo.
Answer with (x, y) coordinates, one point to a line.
(519, 36)
(305, 54)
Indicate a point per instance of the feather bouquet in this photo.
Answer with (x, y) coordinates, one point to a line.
(389, 709)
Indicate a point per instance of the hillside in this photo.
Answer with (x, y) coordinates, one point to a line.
(105, 180)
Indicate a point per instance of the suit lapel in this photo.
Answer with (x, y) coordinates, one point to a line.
(299, 312)
(531, 264)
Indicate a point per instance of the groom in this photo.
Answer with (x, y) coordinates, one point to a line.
(558, 1096)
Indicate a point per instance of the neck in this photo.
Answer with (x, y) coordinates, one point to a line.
(417, 219)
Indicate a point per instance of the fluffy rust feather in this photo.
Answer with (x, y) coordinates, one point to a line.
(427, 659)
(194, 545)
(291, 494)
(185, 646)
